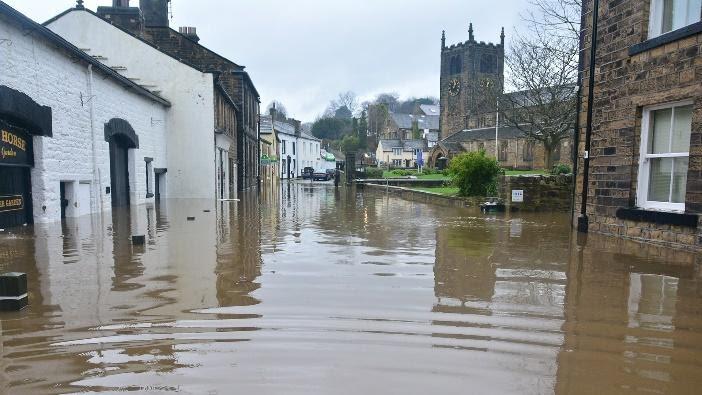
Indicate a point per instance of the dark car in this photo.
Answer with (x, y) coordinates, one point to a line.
(307, 173)
(322, 176)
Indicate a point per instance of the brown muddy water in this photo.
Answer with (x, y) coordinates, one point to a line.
(309, 290)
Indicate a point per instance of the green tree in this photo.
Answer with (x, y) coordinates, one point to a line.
(349, 143)
(474, 173)
(416, 133)
(331, 128)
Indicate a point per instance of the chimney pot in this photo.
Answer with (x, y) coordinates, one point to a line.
(120, 3)
(189, 32)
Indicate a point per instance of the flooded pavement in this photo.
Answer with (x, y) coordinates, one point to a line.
(312, 290)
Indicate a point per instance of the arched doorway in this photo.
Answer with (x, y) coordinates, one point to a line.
(121, 137)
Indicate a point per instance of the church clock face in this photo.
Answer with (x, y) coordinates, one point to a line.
(454, 87)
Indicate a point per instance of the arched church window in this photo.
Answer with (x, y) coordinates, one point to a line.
(455, 65)
(487, 63)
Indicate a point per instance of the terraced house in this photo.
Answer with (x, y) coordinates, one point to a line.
(235, 97)
(640, 148)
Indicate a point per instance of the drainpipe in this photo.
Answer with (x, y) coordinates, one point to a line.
(583, 220)
(97, 187)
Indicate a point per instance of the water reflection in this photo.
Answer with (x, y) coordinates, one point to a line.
(310, 289)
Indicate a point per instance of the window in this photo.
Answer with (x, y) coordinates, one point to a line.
(669, 15)
(293, 151)
(283, 147)
(397, 162)
(455, 65)
(502, 156)
(487, 63)
(556, 153)
(528, 151)
(665, 146)
(397, 151)
(149, 177)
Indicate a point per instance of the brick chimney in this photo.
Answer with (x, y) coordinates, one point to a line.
(155, 12)
(124, 16)
(189, 32)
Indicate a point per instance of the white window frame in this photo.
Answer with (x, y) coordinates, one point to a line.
(655, 25)
(397, 151)
(645, 159)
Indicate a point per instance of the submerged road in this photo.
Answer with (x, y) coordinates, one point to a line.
(308, 289)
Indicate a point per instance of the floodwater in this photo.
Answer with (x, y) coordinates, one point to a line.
(309, 290)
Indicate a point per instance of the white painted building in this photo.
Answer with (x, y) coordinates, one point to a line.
(77, 137)
(199, 164)
(297, 150)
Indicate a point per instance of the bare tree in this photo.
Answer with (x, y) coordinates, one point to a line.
(279, 108)
(543, 72)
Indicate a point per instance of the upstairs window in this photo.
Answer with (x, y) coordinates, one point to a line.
(665, 156)
(397, 151)
(669, 15)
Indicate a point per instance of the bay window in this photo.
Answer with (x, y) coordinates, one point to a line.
(669, 15)
(665, 156)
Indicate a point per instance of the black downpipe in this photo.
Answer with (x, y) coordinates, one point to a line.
(583, 220)
(578, 105)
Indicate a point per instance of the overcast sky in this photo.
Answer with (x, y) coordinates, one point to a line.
(304, 52)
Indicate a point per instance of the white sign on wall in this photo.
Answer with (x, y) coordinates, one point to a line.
(517, 196)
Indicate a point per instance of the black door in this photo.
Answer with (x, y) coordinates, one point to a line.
(15, 200)
(119, 172)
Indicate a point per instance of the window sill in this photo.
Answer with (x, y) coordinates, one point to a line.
(667, 38)
(659, 217)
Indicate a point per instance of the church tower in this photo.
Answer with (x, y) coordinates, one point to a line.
(471, 73)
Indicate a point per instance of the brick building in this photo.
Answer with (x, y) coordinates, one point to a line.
(150, 22)
(643, 178)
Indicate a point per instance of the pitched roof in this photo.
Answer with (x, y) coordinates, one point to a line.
(505, 132)
(60, 42)
(266, 124)
(430, 109)
(405, 121)
(406, 145)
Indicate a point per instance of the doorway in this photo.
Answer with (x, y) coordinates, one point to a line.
(119, 171)
(15, 199)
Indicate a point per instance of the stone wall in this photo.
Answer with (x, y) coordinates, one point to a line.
(633, 73)
(541, 193)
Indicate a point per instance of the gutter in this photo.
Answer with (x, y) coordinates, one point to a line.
(583, 220)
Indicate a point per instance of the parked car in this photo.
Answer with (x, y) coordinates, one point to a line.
(307, 173)
(322, 176)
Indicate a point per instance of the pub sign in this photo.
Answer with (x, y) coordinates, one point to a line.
(15, 147)
(11, 203)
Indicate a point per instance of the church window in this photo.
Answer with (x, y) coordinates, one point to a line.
(455, 65)
(502, 156)
(487, 63)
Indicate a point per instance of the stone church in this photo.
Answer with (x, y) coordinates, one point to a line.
(468, 70)
(471, 74)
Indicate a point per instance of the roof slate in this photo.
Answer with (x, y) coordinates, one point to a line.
(404, 121)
